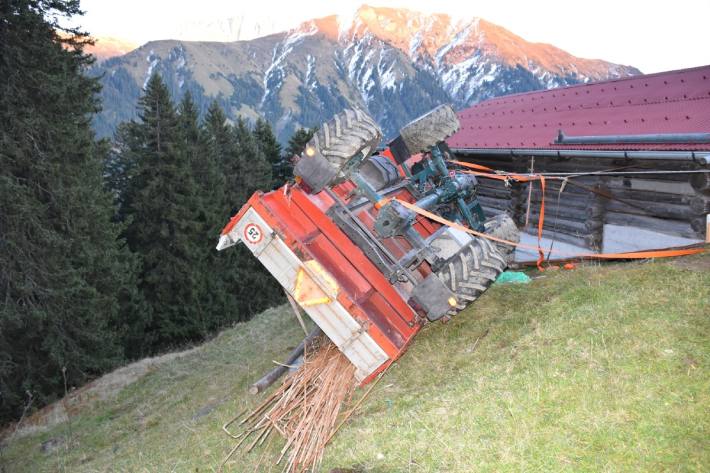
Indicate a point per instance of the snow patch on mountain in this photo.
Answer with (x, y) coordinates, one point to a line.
(274, 75)
(311, 80)
(153, 61)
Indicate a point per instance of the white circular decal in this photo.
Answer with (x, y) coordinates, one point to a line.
(253, 233)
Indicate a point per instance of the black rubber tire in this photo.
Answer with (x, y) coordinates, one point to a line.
(502, 226)
(471, 271)
(346, 135)
(424, 132)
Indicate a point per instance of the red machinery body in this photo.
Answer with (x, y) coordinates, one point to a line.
(343, 243)
(299, 220)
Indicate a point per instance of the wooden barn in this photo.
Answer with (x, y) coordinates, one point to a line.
(636, 151)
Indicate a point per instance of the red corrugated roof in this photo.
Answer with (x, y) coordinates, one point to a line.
(667, 102)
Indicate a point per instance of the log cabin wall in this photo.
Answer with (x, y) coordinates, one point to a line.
(672, 204)
(657, 123)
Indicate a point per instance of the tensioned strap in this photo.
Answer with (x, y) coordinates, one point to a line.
(665, 253)
(491, 174)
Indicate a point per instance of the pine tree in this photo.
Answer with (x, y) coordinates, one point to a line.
(257, 289)
(220, 148)
(266, 141)
(215, 307)
(62, 268)
(226, 268)
(243, 288)
(119, 165)
(255, 167)
(163, 222)
(297, 142)
(283, 170)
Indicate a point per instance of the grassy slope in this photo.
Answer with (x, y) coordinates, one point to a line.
(600, 369)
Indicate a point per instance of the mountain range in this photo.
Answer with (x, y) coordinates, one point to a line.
(395, 63)
(107, 47)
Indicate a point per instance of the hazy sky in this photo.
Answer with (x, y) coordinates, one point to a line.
(651, 35)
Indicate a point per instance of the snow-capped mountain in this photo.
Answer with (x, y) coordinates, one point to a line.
(234, 28)
(395, 63)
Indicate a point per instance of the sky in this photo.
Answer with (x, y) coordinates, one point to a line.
(651, 35)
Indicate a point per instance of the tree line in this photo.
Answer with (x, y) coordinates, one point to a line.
(107, 247)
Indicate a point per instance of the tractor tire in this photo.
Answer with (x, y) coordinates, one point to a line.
(429, 129)
(502, 226)
(348, 134)
(471, 271)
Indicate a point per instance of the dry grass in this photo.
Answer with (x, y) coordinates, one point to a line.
(303, 410)
(601, 369)
(101, 389)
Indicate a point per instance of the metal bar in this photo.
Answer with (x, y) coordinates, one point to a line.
(618, 139)
(366, 188)
(369, 235)
(699, 157)
(296, 311)
(269, 378)
(359, 203)
(438, 160)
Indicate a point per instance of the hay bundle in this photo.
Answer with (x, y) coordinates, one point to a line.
(303, 410)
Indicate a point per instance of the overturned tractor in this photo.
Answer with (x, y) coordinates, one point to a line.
(348, 247)
(343, 243)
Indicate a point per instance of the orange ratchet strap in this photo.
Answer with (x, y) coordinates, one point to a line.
(540, 222)
(629, 255)
(535, 177)
(491, 174)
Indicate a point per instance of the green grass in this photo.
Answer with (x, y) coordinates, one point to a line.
(600, 369)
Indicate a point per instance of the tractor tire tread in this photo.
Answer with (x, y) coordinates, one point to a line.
(429, 129)
(502, 226)
(471, 271)
(344, 136)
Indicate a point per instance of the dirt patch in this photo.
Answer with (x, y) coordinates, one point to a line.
(99, 389)
(695, 263)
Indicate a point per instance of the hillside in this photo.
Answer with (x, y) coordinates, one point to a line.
(107, 47)
(600, 369)
(395, 63)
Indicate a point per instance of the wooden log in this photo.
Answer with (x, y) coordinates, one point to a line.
(522, 164)
(568, 200)
(498, 203)
(269, 378)
(699, 225)
(655, 209)
(496, 210)
(551, 188)
(653, 184)
(668, 226)
(592, 241)
(568, 226)
(491, 211)
(569, 213)
(495, 183)
(496, 193)
(701, 182)
(625, 193)
(552, 193)
(700, 205)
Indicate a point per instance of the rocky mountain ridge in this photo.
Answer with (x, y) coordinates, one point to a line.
(395, 63)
